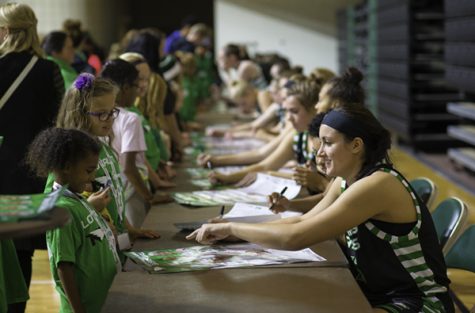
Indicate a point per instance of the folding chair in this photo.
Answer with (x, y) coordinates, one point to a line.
(425, 189)
(449, 218)
(462, 255)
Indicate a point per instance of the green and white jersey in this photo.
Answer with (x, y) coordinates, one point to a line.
(399, 261)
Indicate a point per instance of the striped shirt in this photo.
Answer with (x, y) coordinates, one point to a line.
(399, 260)
(300, 148)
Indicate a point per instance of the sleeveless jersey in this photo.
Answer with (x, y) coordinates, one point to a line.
(399, 260)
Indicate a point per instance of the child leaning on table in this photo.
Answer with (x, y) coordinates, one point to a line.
(82, 253)
(129, 142)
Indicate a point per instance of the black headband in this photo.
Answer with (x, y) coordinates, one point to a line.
(343, 123)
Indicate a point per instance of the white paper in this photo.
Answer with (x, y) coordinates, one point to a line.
(246, 209)
(267, 184)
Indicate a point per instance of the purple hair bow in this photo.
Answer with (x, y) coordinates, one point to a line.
(84, 81)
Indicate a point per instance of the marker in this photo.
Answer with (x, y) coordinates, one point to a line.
(280, 195)
(222, 211)
(208, 165)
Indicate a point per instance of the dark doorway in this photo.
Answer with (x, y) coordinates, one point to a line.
(167, 15)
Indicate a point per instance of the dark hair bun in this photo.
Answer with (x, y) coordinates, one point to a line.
(353, 75)
(314, 127)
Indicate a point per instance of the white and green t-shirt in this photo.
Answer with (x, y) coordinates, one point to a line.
(88, 243)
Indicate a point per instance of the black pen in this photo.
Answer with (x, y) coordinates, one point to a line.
(280, 195)
(222, 212)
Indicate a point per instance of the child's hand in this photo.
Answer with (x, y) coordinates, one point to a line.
(159, 183)
(143, 233)
(160, 197)
(100, 199)
(166, 171)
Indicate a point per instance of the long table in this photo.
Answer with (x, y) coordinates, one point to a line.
(310, 287)
(307, 287)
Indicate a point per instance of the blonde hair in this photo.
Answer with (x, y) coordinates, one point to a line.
(306, 92)
(239, 88)
(322, 75)
(142, 103)
(298, 77)
(76, 102)
(152, 104)
(21, 22)
(249, 71)
(133, 58)
(200, 30)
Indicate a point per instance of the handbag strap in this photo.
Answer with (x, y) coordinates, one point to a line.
(18, 81)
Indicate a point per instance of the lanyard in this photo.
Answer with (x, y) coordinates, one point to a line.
(116, 186)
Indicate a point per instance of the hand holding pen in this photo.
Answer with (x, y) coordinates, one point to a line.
(220, 218)
(278, 202)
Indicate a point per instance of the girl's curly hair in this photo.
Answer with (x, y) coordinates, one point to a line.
(57, 148)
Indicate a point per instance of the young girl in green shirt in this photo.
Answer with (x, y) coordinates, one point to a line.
(83, 256)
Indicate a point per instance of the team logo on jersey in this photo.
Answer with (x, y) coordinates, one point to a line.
(352, 239)
(96, 235)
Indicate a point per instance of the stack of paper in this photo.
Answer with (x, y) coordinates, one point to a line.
(217, 257)
(257, 192)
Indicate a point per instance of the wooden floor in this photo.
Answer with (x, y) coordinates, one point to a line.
(44, 299)
(43, 296)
